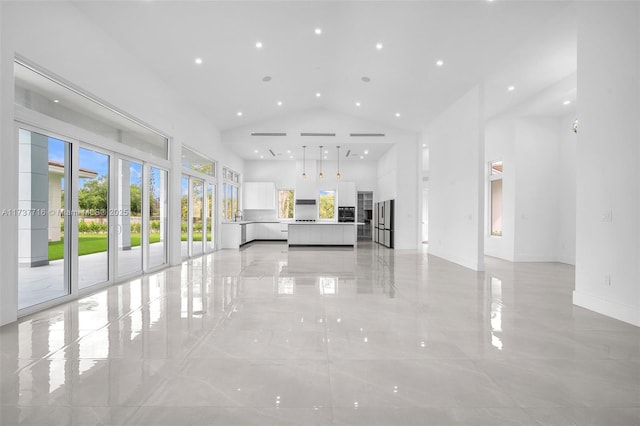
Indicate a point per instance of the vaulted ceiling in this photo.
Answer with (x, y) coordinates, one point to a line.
(371, 60)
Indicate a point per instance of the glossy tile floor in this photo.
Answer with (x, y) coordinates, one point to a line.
(270, 335)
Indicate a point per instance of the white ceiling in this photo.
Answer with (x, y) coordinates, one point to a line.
(528, 44)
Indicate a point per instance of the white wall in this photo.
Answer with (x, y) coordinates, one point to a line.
(566, 239)
(608, 189)
(456, 183)
(60, 39)
(537, 145)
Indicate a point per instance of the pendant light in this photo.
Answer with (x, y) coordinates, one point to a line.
(338, 176)
(304, 160)
(321, 175)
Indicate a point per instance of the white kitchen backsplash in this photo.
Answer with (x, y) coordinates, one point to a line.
(260, 215)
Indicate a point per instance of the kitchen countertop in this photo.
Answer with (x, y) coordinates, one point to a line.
(244, 222)
(322, 223)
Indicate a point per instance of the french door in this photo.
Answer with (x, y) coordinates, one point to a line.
(87, 217)
(197, 216)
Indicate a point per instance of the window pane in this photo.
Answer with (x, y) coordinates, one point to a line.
(197, 215)
(93, 223)
(496, 168)
(184, 216)
(39, 93)
(285, 204)
(194, 161)
(157, 216)
(496, 207)
(327, 204)
(129, 215)
(42, 231)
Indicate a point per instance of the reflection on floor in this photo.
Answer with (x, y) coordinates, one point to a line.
(366, 336)
(43, 283)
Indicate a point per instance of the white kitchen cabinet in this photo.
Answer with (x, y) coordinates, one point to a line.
(259, 196)
(251, 231)
(322, 234)
(347, 194)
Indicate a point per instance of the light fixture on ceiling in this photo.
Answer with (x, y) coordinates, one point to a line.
(239, 113)
(318, 94)
(321, 175)
(567, 102)
(56, 101)
(266, 78)
(397, 115)
(258, 45)
(279, 103)
(379, 46)
(358, 104)
(365, 79)
(511, 88)
(366, 152)
(304, 160)
(338, 176)
(198, 61)
(318, 31)
(439, 62)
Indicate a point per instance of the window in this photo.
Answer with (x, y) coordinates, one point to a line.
(327, 205)
(495, 181)
(285, 204)
(193, 161)
(230, 194)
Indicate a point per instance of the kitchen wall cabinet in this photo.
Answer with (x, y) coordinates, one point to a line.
(259, 196)
(347, 194)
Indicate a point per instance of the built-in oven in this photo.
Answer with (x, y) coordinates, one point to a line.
(346, 214)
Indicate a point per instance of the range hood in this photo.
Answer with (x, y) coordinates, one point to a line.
(308, 202)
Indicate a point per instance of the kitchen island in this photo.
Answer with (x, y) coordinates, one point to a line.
(322, 234)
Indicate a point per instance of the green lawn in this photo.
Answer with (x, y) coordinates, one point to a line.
(93, 243)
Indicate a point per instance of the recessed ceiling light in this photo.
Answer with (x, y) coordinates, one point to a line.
(566, 102)
(56, 100)
(439, 62)
(357, 104)
(288, 151)
(397, 114)
(326, 151)
(379, 46)
(255, 151)
(198, 61)
(262, 156)
(362, 157)
(239, 113)
(424, 145)
(279, 103)
(318, 31)
(366, 151)
(318, 94)
(266, 78)
(366, 79)
(258, 45)
(511, 88)
(291, 156)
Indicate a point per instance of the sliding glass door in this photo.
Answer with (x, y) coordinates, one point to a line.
(77, 206)
(93, 219)
(44, 236)
(128, 216)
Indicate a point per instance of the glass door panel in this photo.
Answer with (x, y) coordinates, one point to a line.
(157, 217)
(197, 216)
(211, 195)
(93, 220)
(43, 233)
(184, 217)
(128, 217)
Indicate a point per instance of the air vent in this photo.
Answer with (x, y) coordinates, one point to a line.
(267, 134)
(366, 134)
(272, 153)
(317, 134)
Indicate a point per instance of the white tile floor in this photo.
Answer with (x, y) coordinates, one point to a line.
(371, 336)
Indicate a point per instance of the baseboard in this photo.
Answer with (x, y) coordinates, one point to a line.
(625, 313)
